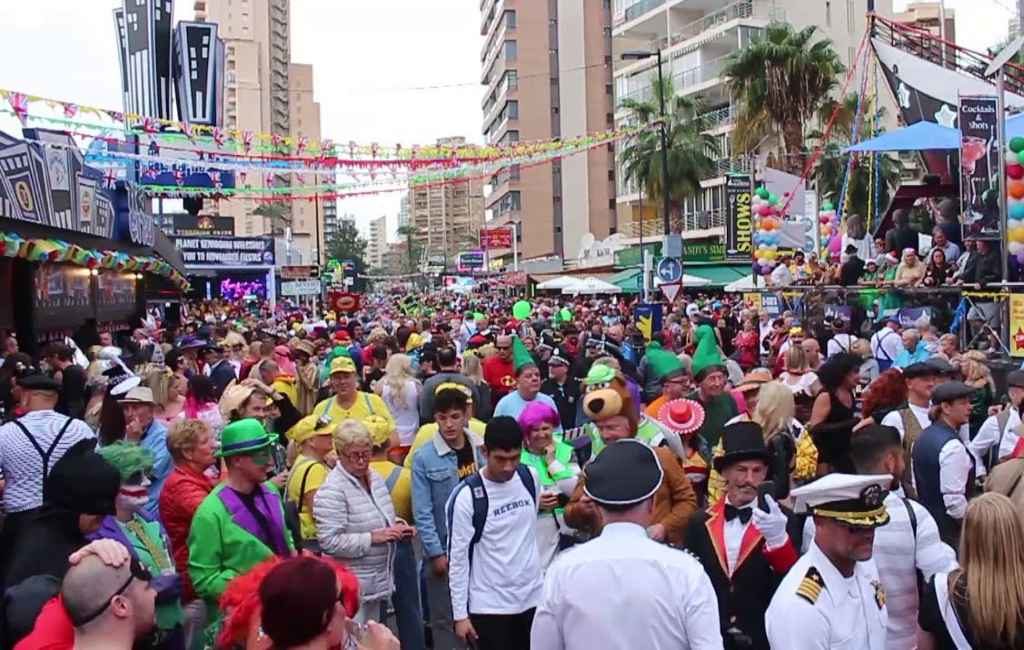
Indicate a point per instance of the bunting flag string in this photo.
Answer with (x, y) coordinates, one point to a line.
(58, 250)
(278, 146)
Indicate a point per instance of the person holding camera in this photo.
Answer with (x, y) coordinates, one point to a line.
(742, 540)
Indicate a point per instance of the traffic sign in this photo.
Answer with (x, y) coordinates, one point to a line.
(671, 291)
(670, 270)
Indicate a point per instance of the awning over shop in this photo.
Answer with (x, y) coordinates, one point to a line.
(629, 280)
(719, 275)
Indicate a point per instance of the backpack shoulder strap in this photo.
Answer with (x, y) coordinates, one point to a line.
(369, 403)
(478, 493)
(526, 476)
(1002, 419)
(912, 516)
(302, 484)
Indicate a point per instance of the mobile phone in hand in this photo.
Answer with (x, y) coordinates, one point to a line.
(766, 488)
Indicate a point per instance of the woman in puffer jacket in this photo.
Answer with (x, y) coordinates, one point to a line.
(355, 519)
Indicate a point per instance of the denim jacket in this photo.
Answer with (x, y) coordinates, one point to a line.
(434, 476)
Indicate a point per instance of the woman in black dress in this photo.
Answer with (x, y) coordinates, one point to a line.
(980, 606)
(839, 377)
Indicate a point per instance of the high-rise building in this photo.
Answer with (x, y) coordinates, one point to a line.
(403, 211)
(377, 243)
(266, 93)
(696, 39)
(446, 218)
(547, 69)
(929, 16)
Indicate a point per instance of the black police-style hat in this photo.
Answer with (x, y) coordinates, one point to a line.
(1015, 378)
(627, 472)
(950, 391)
(35, 379)
(741, 441)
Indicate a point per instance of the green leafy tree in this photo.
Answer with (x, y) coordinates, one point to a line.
(346, 244)
(780, 82)
(415, 250)
(278, 213)
(692, 152)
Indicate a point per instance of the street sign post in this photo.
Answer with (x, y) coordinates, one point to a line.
(671, 291)
(670, 270)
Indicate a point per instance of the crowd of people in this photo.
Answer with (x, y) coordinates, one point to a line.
(431, 471)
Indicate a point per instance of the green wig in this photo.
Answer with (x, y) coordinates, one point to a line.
(128, 459)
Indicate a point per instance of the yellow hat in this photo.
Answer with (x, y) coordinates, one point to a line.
(306, 428)
(459, 387)
(380, 430)
(343, 364)
(414, 341)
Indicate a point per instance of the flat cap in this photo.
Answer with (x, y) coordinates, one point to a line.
(950, 391)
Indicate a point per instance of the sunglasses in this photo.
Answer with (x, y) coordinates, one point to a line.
(137, 572)
(503, 347)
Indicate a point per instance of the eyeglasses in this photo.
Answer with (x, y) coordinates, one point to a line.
(358, 455)
(503, 347)
(137, 572)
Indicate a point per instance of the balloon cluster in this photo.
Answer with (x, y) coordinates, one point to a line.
(766, 210)
(1015, 198)
(830, 237)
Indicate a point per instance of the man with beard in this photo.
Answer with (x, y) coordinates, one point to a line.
(833, 592)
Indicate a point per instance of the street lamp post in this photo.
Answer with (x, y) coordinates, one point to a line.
(640, 55)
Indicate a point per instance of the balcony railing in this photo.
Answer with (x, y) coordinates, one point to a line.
(703, 219)
(735, 11)
(685, 79)
(638, 9)
(719, 117)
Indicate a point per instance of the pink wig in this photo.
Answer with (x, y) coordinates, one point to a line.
(535, 414)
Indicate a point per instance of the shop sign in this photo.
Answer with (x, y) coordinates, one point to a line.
(470, 261)
(739, 220)
(188, 225)
(493, 238)
(297, 272)
(226, 251)
(308, 287)
(1017, 324)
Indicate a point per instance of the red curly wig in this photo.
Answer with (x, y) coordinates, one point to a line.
(240, 601)
(886, 392)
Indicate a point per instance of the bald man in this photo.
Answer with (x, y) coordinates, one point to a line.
(499, 370)
(110, 606)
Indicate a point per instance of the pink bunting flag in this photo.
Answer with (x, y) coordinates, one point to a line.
(218, 137)
(70, 110)
(150, 125)
(247, 137)
(19, 104)
(301, 145)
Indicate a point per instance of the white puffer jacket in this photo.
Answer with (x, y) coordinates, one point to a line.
(345, 516)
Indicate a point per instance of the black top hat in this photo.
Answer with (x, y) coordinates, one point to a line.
(741, 441)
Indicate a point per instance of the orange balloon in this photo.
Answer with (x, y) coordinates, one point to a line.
(1016, 188)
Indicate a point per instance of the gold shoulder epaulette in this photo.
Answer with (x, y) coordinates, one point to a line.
(810, 587)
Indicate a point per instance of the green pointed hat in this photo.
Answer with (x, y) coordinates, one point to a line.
(707, 356)
(662, 363)
(521, 356)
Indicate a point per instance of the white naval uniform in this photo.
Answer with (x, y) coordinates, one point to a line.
(623, 591)
(846, 613)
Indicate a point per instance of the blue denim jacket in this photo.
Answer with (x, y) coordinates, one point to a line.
(434, 476)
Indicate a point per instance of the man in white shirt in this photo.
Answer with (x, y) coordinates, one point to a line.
(622, 589)
(998, 436)
(913, 418)
(781, 276)
(832, 597)
(493, 565)
(842, 341)
(887, 344)
(909, 543)
(943, 468)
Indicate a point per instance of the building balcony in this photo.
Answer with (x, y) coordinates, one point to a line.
(638, 14)
(757, 12)
(493, 59)
(492, 28)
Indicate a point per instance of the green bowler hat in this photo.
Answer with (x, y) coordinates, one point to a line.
(244, 437)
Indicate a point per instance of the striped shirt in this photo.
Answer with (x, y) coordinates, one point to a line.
(895, 548)
(22, 464)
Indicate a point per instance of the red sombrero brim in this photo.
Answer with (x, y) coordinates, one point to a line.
(694, 423)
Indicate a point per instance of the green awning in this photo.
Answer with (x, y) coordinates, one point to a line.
(719, 274)
(629, 280)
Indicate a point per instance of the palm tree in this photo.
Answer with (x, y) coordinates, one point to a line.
(278, 212)
(413, 254)
(781, 80)
(691, 151)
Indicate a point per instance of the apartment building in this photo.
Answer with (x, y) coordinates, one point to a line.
(546, 68)
(446, 218)
(266, 93)
(696, 37)
(377, 242)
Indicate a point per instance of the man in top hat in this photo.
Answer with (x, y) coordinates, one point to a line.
(668, 596)
(832, 597)
(561, 389)
(142, 429)
(241, 522)
(943, 468)
(709, 375)
(998, 435)
(609, 404)
(348, 401)
(745, 548)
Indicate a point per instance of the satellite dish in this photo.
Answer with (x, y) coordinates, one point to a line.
(1003, 57)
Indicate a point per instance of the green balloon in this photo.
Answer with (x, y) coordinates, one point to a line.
(763, 192)
(565, 315)
(478, 316)
(827, 206)
(772, 198)
(521, 310)
(1017, 144)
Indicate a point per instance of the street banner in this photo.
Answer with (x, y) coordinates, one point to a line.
(739, 221)
(1017, 324)
(493, 238)
(648, 318)
(226, 251)
(297, 272)
(470, 261)
(307, 287)
(343, 301)
(979, 166)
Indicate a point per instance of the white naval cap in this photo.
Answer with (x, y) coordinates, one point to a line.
(854, 499)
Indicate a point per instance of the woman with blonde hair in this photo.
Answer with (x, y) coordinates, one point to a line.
(801, 381)
(974, 368)
(400, 391)
(981, 604)
(474, 371)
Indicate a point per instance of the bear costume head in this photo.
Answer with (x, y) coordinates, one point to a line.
(608, 395)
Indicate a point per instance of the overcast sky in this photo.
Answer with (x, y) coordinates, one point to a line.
(373, 63)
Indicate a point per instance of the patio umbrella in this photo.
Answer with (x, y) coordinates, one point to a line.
(591, 285)
(560, 282)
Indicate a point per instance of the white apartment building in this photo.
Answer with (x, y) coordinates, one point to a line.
(696, 37)
(377, 242)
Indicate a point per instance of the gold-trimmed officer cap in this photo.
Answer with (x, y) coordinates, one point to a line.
(853, 499)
